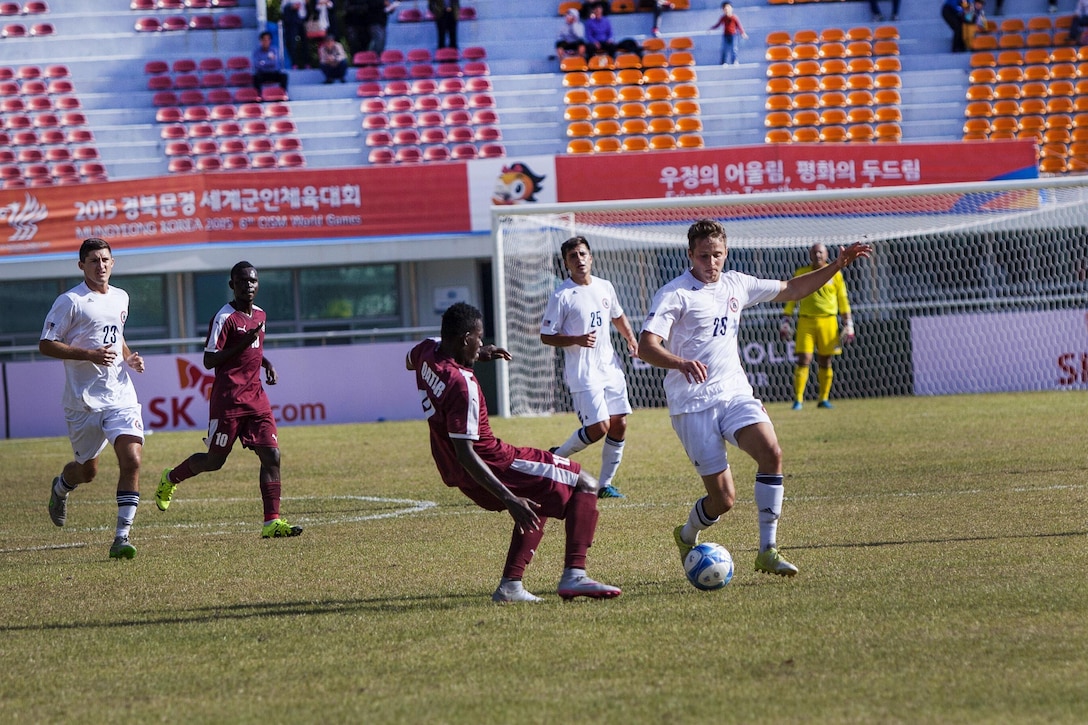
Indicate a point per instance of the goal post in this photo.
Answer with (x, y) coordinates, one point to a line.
(979, 261)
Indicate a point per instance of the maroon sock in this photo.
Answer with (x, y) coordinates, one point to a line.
(522, 548)
(181, 472)
(270, 495)
(581, 524)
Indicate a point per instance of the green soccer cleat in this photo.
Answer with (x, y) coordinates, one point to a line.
(771, 562)
(684, 546)
(279, 528)
(165, 492)
(122, 549)
(58, 507)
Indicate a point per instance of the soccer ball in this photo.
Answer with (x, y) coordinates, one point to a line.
(708, 566)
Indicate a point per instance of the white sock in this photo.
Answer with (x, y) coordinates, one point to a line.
(62, 487)
(577, 442)
(697, 521)
(769, 494)
(611, 455)
(127, 502)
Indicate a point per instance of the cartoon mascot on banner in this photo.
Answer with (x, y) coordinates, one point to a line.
(516, 184)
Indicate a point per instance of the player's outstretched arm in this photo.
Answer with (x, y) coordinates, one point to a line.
(804, 285)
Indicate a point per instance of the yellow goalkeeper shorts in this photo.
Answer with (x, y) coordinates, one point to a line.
(819, 335)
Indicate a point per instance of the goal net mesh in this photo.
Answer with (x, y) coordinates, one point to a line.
(980, 257)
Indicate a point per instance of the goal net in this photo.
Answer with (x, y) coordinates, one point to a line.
(971, 288)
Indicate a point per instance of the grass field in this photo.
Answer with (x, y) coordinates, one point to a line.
(942, 543)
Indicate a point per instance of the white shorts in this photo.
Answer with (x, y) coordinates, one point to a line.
(705, 433)
(593, 406)
(89, 431)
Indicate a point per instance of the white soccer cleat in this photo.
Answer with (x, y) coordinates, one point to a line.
(513, 591)
(579, 585)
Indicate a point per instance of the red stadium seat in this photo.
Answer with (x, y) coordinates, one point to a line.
(381, 156)
(228, 22)
(291, 160)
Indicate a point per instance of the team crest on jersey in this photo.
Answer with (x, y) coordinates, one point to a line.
(124, 316)
(605, 303)
(734, 304)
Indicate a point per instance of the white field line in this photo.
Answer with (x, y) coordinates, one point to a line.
(413, 507)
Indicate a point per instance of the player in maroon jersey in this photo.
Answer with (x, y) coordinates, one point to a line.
(238, 408)
(531, 484)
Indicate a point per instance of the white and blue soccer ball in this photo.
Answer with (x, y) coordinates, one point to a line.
(708, 566)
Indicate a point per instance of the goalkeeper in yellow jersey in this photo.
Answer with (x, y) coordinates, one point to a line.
(818, 329)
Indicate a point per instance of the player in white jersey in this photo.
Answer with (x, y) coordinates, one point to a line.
(86, 329)
(691, 330)
(577, 310)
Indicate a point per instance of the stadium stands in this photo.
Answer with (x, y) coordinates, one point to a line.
(907, 74)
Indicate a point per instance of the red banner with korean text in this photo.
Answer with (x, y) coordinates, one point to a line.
(237, 206)
(788, 167)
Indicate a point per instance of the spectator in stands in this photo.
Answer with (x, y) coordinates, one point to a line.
(445, 14)
(293, 14)
(974, 20)
(660, 6)
(878, 17)
(377, 18)
(357, 25)
(325, 17)
(267, 65)
(599, 37)
(1080, 22)
(332, 59)
(572, 36)
(952, 11)
(731, 28)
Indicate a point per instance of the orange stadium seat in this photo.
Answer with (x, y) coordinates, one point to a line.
(833, 134)
(832, 35)
(979, 109)
(862, 132)
(859, 33)
(983, 60)
(662, 142)
(833, 99)
(806, 135)
(833, 83)
(806, 84)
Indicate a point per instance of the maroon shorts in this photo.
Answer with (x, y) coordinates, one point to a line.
(254, 431)
(537, 475)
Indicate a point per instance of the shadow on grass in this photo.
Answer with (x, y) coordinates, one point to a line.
(941, 540)
(431, 602)
(204, 615)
